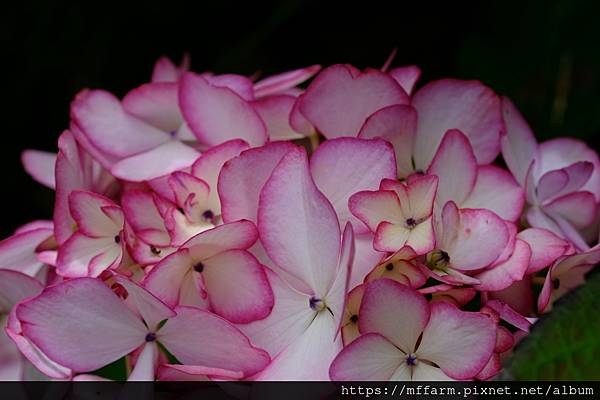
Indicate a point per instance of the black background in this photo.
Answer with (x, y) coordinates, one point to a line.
(534, 52)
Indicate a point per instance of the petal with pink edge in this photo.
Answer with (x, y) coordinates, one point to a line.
(406, 76)
(40, 166)
(143, 214)
(197, 337)
(336, 297)
(298, 226)
(110, 128)
(506, 273)
(14, 287)
(496, 190)
(243, 177)
(218, 114)
(146, 364)
(396, 124)
(166, 71)
(545, 247)
(84, 256)
(374, 207)
(234, 235)
(371, 357)
(275, 112)
(343, 166)
(190, 373)
(519, 148)
(395, 311)
(162, 160)
(459, 342)
(578, 208)
(167, 278)
(81, 324)
(18, 252)
(157, 104)
(281, 82)
(468, 106)
(95, 215)
(237, 286)
(338, 101)
(454, 154)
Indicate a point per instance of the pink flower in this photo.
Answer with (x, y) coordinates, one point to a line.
(399, 214)
(83, 325)
(453, 345)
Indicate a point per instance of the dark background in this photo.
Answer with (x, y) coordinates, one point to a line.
(545, 55)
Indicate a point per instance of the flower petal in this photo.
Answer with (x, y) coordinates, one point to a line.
(91, 213)
(243, 177)
(40, 165)
(237, 286)
(234, 235)
(406, 76)
(197, 337)
(81, 324)
(110, 128)
(578, 208)
(459, 342)
(14, 287)
(344, 166)
(338, 102)
(82, 256)
(374, 207)
(18, 252)
(166, 279)
(545, 247)
(506, 273)
(298, 226)
(395, 311)
(281, 82)
(218, 114)
(371, 357)
(454, 154)
(275, 112)
(189, 373)
(157, 104)
(468, 106)
(162, 160)
(142, 212)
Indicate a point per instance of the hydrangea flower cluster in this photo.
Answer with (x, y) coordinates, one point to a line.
(351, 228)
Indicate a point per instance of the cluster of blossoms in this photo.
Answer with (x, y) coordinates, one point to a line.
(211, 227)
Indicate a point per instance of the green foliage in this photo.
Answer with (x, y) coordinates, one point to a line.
(564, 344)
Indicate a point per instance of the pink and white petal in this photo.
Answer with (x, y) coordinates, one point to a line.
(165, 70)
(579, 174)
(67, 321)
(422, 237)
(336, 297)
(298, 226)
(545, 247)
(468, 106)
(454, 154)
(189, 373)
(537, 218)
(237, 83)
(190, 192)
(146, 364)
(87, 209)
(218, 114)
(421, 192)
(80, 253)
(390, 237)
(289, 319)
(243, 177)
(279, 83)
(14, 287)
(32, 353)
(551, 183)
(36, 224)
(426, 372)
(234, 235)
(371, 357)
(110, 128)
(197, 337)
(365, 258)
(299, 123)
(315, 349)
(578, 208)
(156, 103)
(18, 252)
(496, 190)
(481, 239)
(338, 101)
(275, 112)
(397, 124)
(406, 76)
(237, 286)
(162, 160)
(12, 363)
(374, 207)
(142, 302)
(142, 212)
(166, 279)
(519, 147)
(450, 276)
(491, 369)
(506, 273)
(459, 342)
(563, 152)
(395, 311)
(343, 166)
(40, 166)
